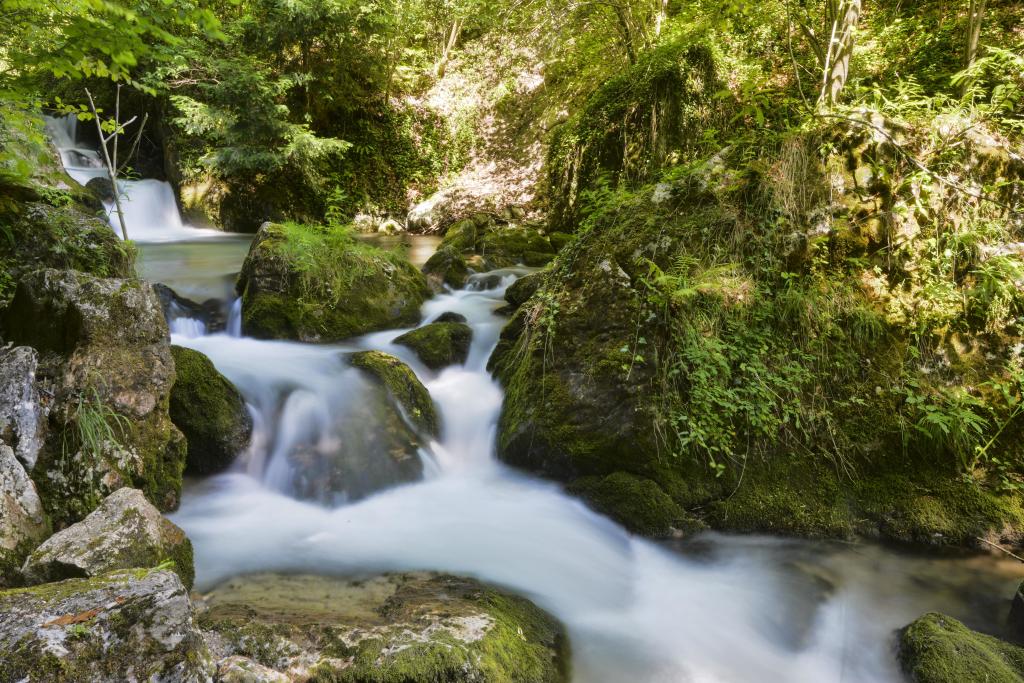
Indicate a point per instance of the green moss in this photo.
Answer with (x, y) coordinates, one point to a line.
(209, 411)
(939, 649)
(439, 345)
(639, 504)
(322, 284)
(446, 266)
(403, 385)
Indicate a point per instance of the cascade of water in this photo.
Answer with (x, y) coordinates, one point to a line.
(150, 208)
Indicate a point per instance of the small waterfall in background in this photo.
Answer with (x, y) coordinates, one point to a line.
(150, 208)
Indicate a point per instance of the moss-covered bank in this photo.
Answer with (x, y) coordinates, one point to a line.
(939, 649)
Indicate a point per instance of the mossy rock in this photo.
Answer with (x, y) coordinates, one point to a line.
(446, 266)
(403, 386)
(439, 345)
(639, 504)
(939, 649)
(502, 247)
(387, 629)
(520, 291)
(209, 411)
(128, 625)
(319, 284)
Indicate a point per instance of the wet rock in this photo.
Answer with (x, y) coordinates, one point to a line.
(412, 627)
(209, 411)
(132, 625)
(446, 266)
(439, 345)
(522, 289)
(104, 348)
(402, 385)
(23, 412)
(450, 317)
(101, 188)
(350, 288)
(211, 312)
(939, 649)
(124, 532)
(23, 523)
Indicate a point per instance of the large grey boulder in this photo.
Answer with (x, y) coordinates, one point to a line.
(104, 348)
(22, 412)
(22, 521)
(124, 532)
(125, 626)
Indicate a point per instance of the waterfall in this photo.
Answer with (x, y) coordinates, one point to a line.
(150, 208)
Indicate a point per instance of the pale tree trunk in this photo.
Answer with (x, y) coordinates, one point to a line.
(453, 38)
(844, 15)
(659, 19)
(974, 21)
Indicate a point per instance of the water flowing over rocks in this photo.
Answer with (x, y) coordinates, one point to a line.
(23, 522)
(124, 532)
(103, 347)
(133, 625)
(209, 411)
(403, 386)
(397, 627)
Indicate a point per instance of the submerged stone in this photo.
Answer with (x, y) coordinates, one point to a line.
(124, 532)
(391, 628)
(134, 625)
(439, 344)
(209, 411)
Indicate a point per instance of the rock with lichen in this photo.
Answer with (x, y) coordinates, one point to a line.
(23, 524)
(23, 411)
(124, 532)
(400, 627)
(130, 625)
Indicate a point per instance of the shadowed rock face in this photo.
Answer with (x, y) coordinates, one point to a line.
(418, 627)
(125, 532)
(142, 618)
(22, 520)
(104, 351)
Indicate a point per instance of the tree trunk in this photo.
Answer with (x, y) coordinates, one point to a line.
(845, 15)
(974, 21)
(626, 32)
(111, 164)
(453, 38)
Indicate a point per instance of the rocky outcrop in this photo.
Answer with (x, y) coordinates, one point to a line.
(939, 649)
(135, 625)
(485, 243)
(23, 412)
(410, 627)
(319, 284)
(23, 523)
(104, 351)
(439, 344)
(124, 532)
(402, 385)
(209, 411)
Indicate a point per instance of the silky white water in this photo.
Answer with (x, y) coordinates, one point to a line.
(710, 609)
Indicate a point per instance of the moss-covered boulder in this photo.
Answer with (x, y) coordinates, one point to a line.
(402, 385)
(130, 625)
(320, 284)
(23, 523)
(209, 411)
(520, 291)
(446, 266)
(105, 358)
(404, 627)
(939, 649)
(124, 532)
(639, 504)
(439, 345)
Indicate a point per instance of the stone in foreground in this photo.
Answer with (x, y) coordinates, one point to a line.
(939, 649)
(134, 625)
(403, 627)
(22, 520)
(124, 532)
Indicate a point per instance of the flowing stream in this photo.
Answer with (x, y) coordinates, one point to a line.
(710, 609)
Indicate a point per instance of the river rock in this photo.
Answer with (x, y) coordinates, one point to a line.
(23, 412)
(439, 345)
(446, 266)
(410, 627)
(349, 288)
(374, 438)
(209, 411)
(104, 348)
(939, 649)
(520, 291)
(402, 385)
(450, 317)
(23, 523)
(133, 625)
(124, 532)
